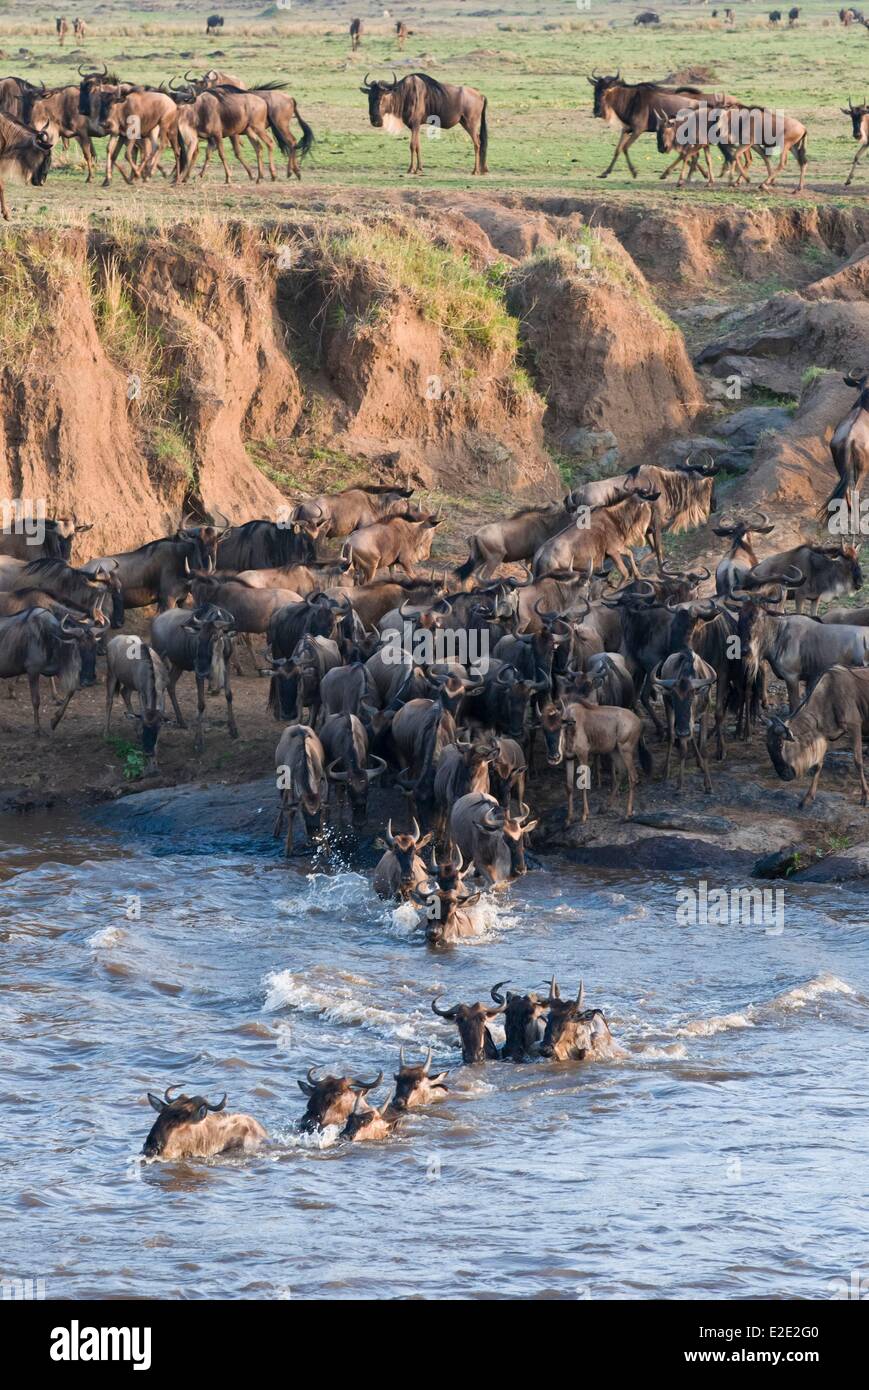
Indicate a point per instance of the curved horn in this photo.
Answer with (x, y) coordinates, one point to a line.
(336, 776)
(378, 769)
(219, 1106)
(367, 1085)
(389, 837)
(443, 1013)
(580, 998)
(498, 998)
(166, 1096)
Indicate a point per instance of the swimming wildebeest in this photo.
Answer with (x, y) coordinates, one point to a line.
(850, 449)
(524, 1024)
(472, 1021)
(357, 27)
(414, 1084)
(191, 1127)
(401, 868)
(487, 837)
(836, 707)
(418, 100)
(25, 154)
(574, 1033)
(860, 130)
(331, 1098)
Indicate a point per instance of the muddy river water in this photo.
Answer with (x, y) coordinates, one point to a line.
(723, 1157)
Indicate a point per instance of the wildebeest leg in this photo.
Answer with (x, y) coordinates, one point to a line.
(62, 711)
(254, 139)
(88, 154)
(288, 842)
(645, 700)
(570, 774)
(3, 208)
(174, 673)
(474, 132)
(199, 739)
(627, 757)
(809, 795)
(111, 690)
(861, 151)
(680, 158)
(270, 152)
(700, 754)
(626, 139)
(230, 716)
(858, 762)
(111, 148)
(671, 738)
(33, 682)
(415, 159)
(236, 149)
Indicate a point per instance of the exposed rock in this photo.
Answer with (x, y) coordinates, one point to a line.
(844, 866)
(600, 350)
(744, 428)
(851, 281)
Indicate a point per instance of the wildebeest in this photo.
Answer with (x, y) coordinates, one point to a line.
(142, 115)
(57, 111)
(415, 1085)
(574, 1033)
(132, 665)
(298, 681)
(159, 571)
(339, 513)
(647, 17)
(224, 112)
(213, 23)
(89, 590)
(301, 776)
(685, 496)
(472, 1021)
(517, 538)
(524, 1023)
(401, 869)
(366, 1122)
(402, 33)
(860, 130)
(25, 154)
(797, 648)
(331, 1098)
(741, 557)
(62, 27)
(79, 28)
(19, 538)
(420, 732)
(836, 707)
(258, 545)
(685, 681)
(403, 538)
(793, 15)
(463, 768)
(489, 838)
(36, 643)
(775, 16)
(448, 912)
(599, 534)
(191, 1127)
(198, 640)
(576, 730)
(635, 107)
(345, 745)
(811, 573)
(357, 27)
(850, 449)
(418, 100)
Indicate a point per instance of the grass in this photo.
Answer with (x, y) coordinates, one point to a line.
(34, 276)
(531, 62)
(132, 759)
(464, 303)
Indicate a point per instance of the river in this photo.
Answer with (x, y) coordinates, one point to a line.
(724, 1157)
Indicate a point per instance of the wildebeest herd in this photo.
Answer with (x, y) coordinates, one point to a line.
(457, 688)
(140, 122)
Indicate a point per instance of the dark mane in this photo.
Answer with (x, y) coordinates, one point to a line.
(433, 86)
(373, 488)
(535, 511)
(47, 567)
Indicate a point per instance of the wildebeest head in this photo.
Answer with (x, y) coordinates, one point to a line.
(684, 690)
(414, 1085)
(571, 1028)
(859, 129)
(514, 829)
(105, 574)
(331, 1098)
(26, 151)
(783, 748)
(472, 1023)
(357, 780)
(214, 629)
(515, 693)
(367, 1122)
(406, 846)
(384, 100)
(523, 1022)
(553, 724)
(601, 85)
(174, 1113)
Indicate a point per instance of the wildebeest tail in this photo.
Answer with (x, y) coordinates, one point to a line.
(644, 756)
(467, 569)
(307, 139)
(484, 134)
(184, 147)
(840, 491)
